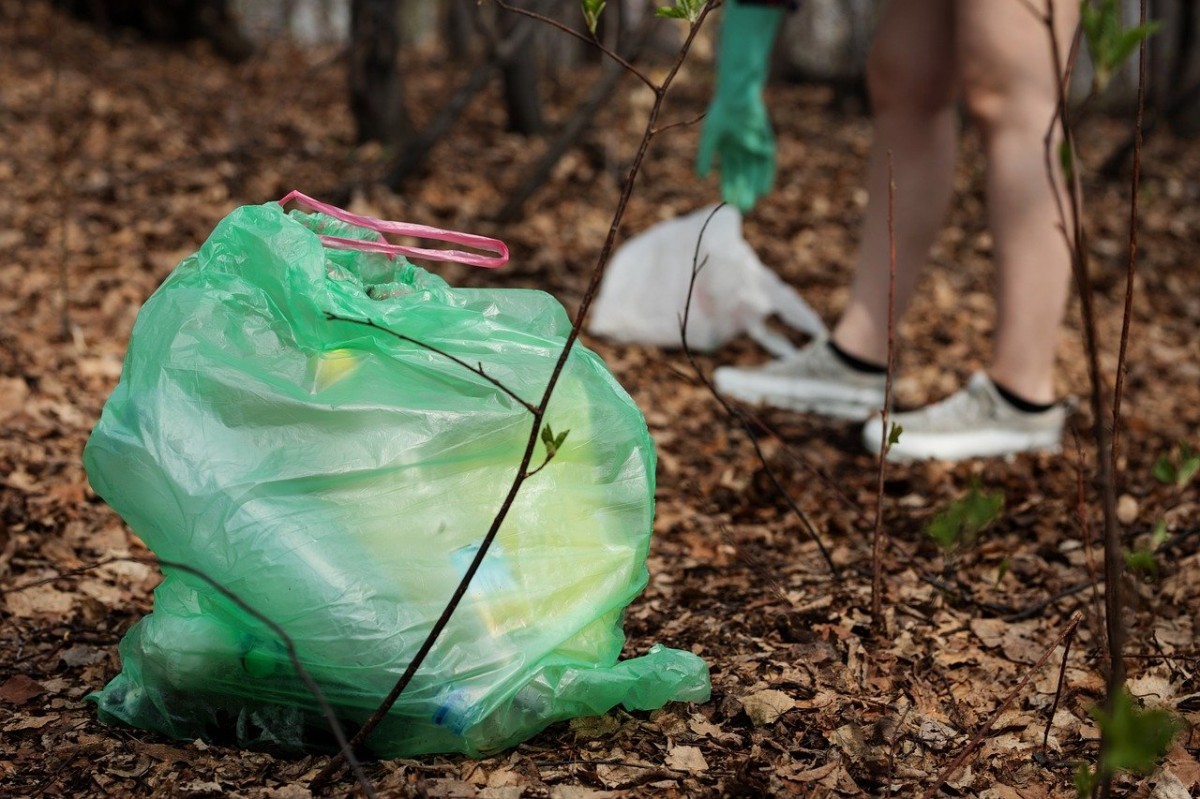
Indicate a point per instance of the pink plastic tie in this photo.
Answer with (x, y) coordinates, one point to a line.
(383, 227)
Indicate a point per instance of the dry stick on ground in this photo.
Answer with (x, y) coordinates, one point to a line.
(885, 443)
(318, 695)
(978, 738)
(733, 413)
(1058, 689)
(523, 473)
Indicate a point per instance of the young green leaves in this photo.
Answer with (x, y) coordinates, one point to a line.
(1109, 42)
(553, 443)
(592, 9)
(1138, 739)
(964, 519)
(683, 9)
(1179, 470)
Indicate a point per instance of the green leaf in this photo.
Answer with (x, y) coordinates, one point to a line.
(553, 443)
(961, 522)
(894, 434)
(1189, 466)
(1109, 42)
(592, 9)
(1163, 470)
(1085, 781)
(1137, 739)
(548, 441)
(1159, 535)
(683, 9)
(1142, 561)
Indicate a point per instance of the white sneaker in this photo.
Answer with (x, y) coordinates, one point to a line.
(813, 380)
(976, 422)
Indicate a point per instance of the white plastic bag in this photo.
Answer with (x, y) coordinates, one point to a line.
(644, 292)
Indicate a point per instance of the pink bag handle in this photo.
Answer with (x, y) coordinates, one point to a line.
(381, 226)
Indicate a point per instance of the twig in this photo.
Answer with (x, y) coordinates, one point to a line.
(539, 173)
(1131, 264)
(809, 527)
(327, 710)
(687, 123)
(884, 444)
(591, 40)
(1077, 245)
(476, 369)
(415, 152)
(977, 739)
(327, 773)
(1062, 679)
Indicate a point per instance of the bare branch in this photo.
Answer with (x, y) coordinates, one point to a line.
(977, 739)
(734, 413)
(1131, 263)
(886, 435)
(612, 54)
(477, 369)
(327, 773)
(318, 695)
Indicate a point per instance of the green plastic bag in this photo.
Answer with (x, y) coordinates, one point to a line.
(339, 480)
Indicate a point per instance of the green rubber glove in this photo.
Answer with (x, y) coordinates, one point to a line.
(737, 126)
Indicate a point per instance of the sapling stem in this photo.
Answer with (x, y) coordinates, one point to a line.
(885, 443)
(539, 411)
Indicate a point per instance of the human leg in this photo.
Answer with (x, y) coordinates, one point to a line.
(912, 78)
(1010, 88)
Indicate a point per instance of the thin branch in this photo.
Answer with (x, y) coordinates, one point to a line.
(1076, 242)
(477, 369)
(734, 413)
(977, 739)
(884, 444)
(590, 40)
(687, 123)
(327, 773)
(1058, 689)
(1131, 264)
(597, 98)
(327, 710)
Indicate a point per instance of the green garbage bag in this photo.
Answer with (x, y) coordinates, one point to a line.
(339, 479)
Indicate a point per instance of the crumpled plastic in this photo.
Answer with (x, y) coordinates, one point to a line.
(645, 289)
(339, 479)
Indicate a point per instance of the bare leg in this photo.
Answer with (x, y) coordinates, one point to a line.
(912, 77)
(1009, 84)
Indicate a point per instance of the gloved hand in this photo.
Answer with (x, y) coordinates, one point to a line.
(737, 126)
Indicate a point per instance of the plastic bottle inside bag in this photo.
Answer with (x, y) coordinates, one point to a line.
(497, 613)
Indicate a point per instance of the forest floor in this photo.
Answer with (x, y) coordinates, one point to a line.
(117, 159)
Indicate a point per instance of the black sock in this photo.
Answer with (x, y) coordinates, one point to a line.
(1020, 403)
(857, 364)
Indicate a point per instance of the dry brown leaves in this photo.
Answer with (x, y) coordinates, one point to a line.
(117, 159)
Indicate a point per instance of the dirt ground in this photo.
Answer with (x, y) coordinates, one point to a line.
(118, 157)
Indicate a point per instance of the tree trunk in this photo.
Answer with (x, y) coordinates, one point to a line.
(170, 20)
(522, 80)
(376, 85)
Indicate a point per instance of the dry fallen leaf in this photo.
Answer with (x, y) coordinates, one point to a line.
(20, 689)
(40, 600)
(687, 758)
(765, 707)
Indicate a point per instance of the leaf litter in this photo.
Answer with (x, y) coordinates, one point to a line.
(118, 158)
